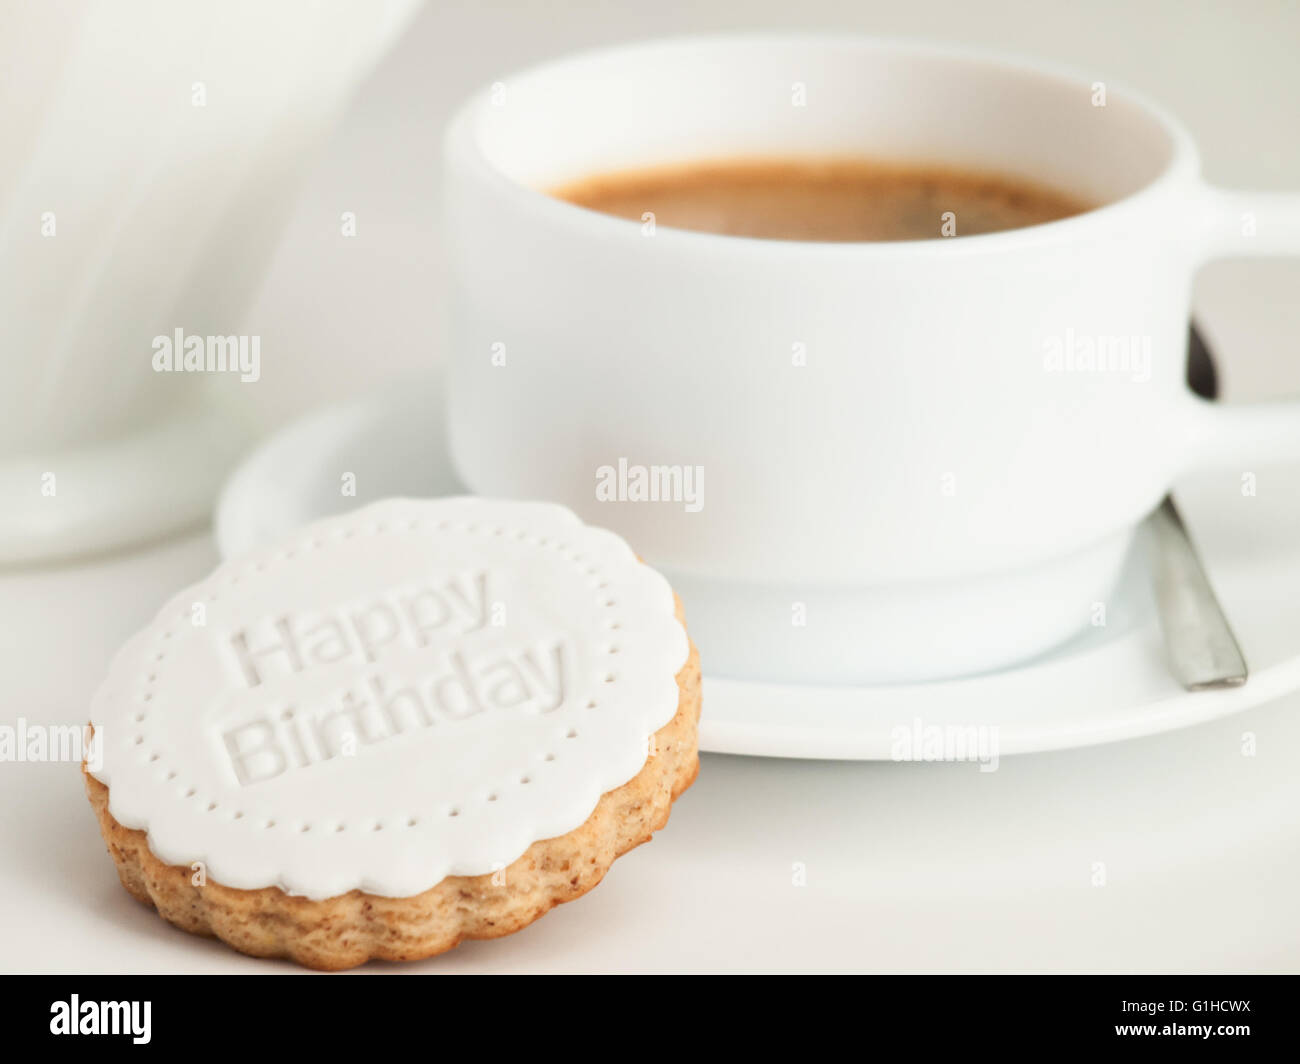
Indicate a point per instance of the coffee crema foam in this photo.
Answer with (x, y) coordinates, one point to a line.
(815, 199)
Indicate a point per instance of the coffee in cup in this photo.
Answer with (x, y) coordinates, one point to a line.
(835, 199)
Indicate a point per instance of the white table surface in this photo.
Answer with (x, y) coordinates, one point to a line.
(908, 867)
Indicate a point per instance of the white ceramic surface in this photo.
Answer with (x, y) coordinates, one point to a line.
(151, 152)
(1108, 684)
(895, 439)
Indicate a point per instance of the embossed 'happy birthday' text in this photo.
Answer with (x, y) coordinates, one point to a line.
(412, 617)
(262, 741)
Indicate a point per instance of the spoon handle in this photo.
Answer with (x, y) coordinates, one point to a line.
(1203, 652)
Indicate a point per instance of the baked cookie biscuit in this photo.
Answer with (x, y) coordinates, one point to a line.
(418, 723)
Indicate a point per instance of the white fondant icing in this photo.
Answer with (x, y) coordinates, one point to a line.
(414, 690)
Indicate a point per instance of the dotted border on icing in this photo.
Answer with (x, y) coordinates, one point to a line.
(317, 542)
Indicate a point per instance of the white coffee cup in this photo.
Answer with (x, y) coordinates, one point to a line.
(910, 467)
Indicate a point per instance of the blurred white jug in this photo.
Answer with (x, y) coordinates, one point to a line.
(151, 149)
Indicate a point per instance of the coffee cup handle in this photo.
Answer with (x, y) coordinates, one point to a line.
(1236, 435)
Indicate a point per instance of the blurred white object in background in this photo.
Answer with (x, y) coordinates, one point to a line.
(151, 150)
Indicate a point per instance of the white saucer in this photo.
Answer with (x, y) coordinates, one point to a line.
(158, 479)
(1109, 684)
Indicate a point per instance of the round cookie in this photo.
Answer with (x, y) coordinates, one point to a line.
(421, 722)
